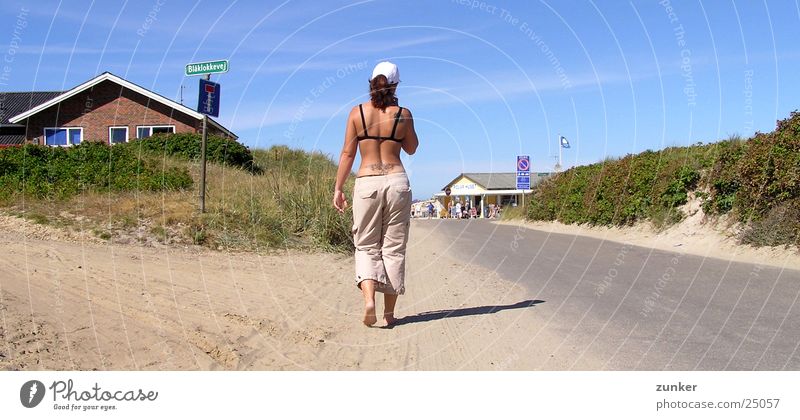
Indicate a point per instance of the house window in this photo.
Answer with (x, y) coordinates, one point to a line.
(143, 131)
(63, 136)
(118, 134)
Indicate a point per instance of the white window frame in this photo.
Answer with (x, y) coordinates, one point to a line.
(127, 133)
(151, 127)
(44, 135)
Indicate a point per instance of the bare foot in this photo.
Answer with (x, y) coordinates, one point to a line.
(389, 320)
(369, 314)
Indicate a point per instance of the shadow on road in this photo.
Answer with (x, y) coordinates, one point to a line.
(455, 313)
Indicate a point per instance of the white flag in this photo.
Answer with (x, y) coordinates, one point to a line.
(564, 142)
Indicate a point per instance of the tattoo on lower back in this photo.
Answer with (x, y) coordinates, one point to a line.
(383, 168)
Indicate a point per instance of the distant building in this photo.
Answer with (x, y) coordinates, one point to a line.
(106, 108)
(481, 189)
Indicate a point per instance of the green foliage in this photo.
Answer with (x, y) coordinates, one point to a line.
(302, 186)
(61, 172)
(187, 146)
(780, 226)
(514, 212)
(287, 204)
(757, 181)
(650, 185)
(723, 180)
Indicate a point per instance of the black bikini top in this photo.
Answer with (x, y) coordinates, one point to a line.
(367, 136)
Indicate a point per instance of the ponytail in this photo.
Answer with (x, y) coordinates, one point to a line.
(381, 92)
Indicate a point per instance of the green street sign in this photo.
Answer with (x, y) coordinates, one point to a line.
(207, 67)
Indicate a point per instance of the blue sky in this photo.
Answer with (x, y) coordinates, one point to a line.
(486, 81)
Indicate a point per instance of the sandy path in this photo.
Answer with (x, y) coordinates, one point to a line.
(81, 305)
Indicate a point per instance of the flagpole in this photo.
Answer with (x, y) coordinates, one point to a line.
(559, 150)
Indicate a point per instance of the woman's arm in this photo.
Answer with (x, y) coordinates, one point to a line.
(346, 160)
(410, 140)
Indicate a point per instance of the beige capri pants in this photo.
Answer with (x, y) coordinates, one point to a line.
(381, 217)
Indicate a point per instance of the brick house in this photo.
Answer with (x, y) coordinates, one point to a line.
(106, 108)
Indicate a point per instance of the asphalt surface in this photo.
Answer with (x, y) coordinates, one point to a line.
(639, 308)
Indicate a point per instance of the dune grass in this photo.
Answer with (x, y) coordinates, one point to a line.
(285, 203)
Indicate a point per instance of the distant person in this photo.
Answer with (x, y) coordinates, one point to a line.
(379, 129)
(458, 210)
(430, 210)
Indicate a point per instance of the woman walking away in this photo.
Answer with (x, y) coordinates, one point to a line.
(379, 129)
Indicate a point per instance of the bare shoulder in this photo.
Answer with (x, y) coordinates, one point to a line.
(406, 114)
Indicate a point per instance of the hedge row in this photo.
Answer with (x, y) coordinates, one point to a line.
(649, 185)
(756, 181)
(187, 146)
(61, 172)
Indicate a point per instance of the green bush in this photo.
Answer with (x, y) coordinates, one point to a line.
(650, 185)
(780, 226)
(757, 181)
(61, 172)
(723, 180)
(187, 146)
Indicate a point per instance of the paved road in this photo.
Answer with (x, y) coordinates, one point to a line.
(639, 308)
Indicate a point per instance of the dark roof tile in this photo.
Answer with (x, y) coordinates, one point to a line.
(11, 139)
(15, 103)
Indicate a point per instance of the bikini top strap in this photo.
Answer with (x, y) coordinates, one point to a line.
(363, 121)
(396, 120)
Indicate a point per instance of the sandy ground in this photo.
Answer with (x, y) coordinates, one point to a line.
(75, 304)
(694, 235)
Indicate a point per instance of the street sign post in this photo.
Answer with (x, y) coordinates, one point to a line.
(207, 104)
(208, 98)
(207, 67)
(523, 175)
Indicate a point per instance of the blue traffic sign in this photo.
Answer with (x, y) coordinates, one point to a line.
(523, 163)
(523, 172)
(208, 98)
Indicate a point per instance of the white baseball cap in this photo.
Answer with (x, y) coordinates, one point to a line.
(387, 69)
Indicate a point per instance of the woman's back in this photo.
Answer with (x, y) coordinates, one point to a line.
(381, 134)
